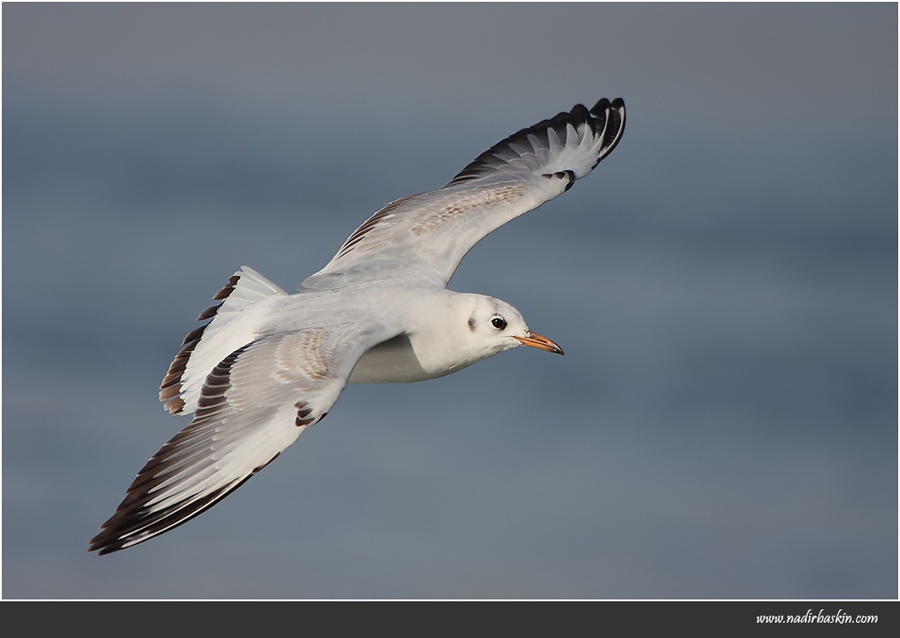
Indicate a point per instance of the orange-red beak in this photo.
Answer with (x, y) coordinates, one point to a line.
(542, 343)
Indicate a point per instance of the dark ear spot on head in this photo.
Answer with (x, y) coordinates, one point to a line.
(472, 323)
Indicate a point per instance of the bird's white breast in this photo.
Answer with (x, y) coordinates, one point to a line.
(393, 361)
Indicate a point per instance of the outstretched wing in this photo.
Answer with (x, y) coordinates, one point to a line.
(436, 229)
(253, 405)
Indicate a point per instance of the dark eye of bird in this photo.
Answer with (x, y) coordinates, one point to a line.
(498, 322)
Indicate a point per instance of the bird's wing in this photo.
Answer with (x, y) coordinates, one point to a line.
(252, 406)
(435, 230)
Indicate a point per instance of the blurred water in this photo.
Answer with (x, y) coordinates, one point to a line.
(724, 423)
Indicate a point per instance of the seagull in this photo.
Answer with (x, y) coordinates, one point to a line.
(267, 364)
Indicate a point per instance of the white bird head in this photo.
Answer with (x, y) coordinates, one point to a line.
(494, 326)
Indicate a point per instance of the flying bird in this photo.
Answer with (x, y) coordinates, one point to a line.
(268, 364)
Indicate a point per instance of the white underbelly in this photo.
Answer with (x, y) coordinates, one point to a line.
(393, 361)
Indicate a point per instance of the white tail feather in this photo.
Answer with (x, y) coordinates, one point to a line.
(206, 346)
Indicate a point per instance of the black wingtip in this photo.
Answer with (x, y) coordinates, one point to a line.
(613, 114)
(605, 117)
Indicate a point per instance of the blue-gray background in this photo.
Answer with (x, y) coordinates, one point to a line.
(724, 424)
